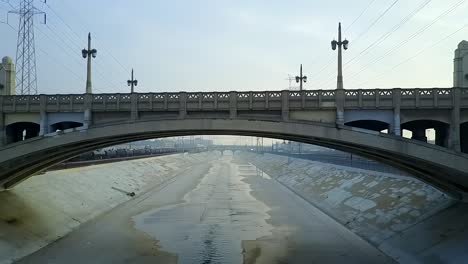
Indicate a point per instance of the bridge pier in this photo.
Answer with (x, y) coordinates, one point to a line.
(233, 105)
(454, 136)
(2, 130)
(134, 107)
(396, 128)
(441, 136)
(182, 105)
(285, 105)
(88, 114)
(44, 124)
(419, 134)
(464, 137)
(339, 102)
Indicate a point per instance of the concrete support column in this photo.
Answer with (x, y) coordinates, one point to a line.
(396, 127)
(285, 105)
(454, 132)
(134, 107)
(441, 136)
(88, 114)
(2, 130)
(339, 102)
(233, 105)
(419, 134)
(464, 138)
(44, 124)
(182, 105)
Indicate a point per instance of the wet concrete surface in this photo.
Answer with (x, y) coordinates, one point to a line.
(218, 212)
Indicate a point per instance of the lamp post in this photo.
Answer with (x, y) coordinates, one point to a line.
(88, 53)
(340, 44)
(132, 83)
(300, 79)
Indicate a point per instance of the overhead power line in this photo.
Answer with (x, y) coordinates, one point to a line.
(390, 32)
(376, 20)
(373, 23)
(414, 35)
(82, 22)
(418, 53)
(55, 60)
(360, 15)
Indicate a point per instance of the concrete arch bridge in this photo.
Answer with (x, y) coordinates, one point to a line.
(40, 131)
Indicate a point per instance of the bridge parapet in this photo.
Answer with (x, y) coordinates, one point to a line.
(436, 98)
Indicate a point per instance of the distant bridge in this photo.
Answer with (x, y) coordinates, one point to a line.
(38, 131)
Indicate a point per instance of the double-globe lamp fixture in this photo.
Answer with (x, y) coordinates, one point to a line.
(339, 44)
(88, 53)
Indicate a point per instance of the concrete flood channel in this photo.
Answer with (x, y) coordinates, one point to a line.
(221, 209)
(214, 218)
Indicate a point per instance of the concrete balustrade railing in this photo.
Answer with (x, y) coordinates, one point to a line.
(437, 98)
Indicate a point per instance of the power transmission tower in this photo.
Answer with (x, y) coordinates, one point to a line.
(290, 79)
(26, 77)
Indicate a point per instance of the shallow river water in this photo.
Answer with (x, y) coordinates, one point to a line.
(213, 220)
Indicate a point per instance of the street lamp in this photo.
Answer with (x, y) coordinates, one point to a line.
(339, 44)
(300, 79)
(88, 53)
(132, 82)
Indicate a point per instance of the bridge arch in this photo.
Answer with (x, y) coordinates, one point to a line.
(418, 129)
(20, 131)
(64, 125)
(374, 125)
(440, 167)
(443, 116)
(464, 137)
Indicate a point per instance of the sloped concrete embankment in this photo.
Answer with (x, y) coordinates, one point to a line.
(406, 218)
(46, 207)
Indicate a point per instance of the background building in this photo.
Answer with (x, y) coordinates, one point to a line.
(460, 72)
(7, 77)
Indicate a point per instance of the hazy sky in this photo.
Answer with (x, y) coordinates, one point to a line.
(242, 45)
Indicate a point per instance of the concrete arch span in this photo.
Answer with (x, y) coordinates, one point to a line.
(440, 167)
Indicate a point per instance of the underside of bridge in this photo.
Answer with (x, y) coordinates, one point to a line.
(419, 127)
(21, 131)
(373, 125)
(440, 167)
(64, 125)
(464, 137)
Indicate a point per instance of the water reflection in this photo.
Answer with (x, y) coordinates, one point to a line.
(214, 219)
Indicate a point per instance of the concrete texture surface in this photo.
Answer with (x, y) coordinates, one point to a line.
(405, 218)
(217, 212)
(46, 207)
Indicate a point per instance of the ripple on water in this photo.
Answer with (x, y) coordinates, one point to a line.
(211, 223)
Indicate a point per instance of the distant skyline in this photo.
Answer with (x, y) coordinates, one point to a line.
(242, 45)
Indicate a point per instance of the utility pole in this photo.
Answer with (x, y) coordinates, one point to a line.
(132, 82)
(300, 79)
(26, 76)
(88, 53)
(339, 43)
